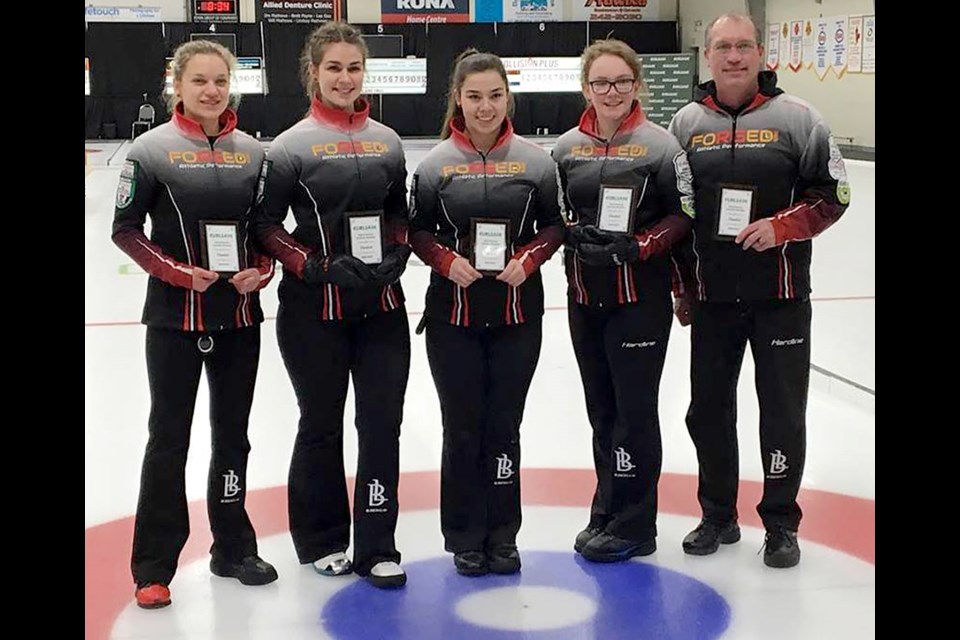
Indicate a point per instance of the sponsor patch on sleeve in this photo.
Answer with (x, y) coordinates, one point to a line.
(838, 171)
(684, 183)
(127, 187)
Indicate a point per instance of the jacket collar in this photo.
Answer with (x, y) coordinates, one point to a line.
(588, 121)
(340, 118)
(193, 129)
(459, 134)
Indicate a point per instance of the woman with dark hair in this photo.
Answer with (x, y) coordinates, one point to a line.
(196, 177)
(341, 307)
(484, 215)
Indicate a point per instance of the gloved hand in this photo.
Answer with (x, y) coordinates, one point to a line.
(393, 264)
(342, 270)
(621, 250)
(577, 235)
(597, 236)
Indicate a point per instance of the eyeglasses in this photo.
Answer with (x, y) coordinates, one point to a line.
(743, 47)
(602, 87)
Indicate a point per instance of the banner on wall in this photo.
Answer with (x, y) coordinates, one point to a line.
(869, 44)
(773, 46)
(86, 68)
(566, 10)
(613, 10)
(294, 12)
(838, 45)
(821, 62)
(529, 11)
(784, 43)
(424, 11)
(796, 45)
(517, 10)
(121, 14)
(809, 43)
(854, 44)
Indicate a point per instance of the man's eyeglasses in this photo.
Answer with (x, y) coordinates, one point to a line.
(743, 47)
(602, 87)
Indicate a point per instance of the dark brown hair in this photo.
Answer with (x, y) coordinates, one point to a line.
(469, 62)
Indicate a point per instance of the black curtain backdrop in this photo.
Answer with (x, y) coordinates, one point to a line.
(644, 37)
(127, 60)
(445, 43)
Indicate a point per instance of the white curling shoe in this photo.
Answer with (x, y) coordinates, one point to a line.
(334, 564)
(387, 575)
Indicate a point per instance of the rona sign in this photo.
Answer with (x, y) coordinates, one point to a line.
(424, 11)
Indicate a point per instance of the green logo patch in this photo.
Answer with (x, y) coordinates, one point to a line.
(128, 184)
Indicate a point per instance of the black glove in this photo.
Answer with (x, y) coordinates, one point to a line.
(597, 236)
(393, 264)
(621, 250)
(577, 235)
(342, 270)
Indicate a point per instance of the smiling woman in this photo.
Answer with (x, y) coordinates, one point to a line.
(202, 312)
(341, 306)
(332, 66)
(201, 82)
(484, 204)
(626, 190)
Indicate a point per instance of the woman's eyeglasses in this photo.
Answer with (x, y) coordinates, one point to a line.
(602, 87)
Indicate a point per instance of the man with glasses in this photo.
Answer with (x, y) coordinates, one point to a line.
(768, 177)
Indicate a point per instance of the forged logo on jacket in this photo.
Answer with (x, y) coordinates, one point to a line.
(206, 157)
(716, 139)
(348, 147)
(615, 151)
(490, 169)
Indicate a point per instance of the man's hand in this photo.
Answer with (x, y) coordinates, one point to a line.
(758, 236)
